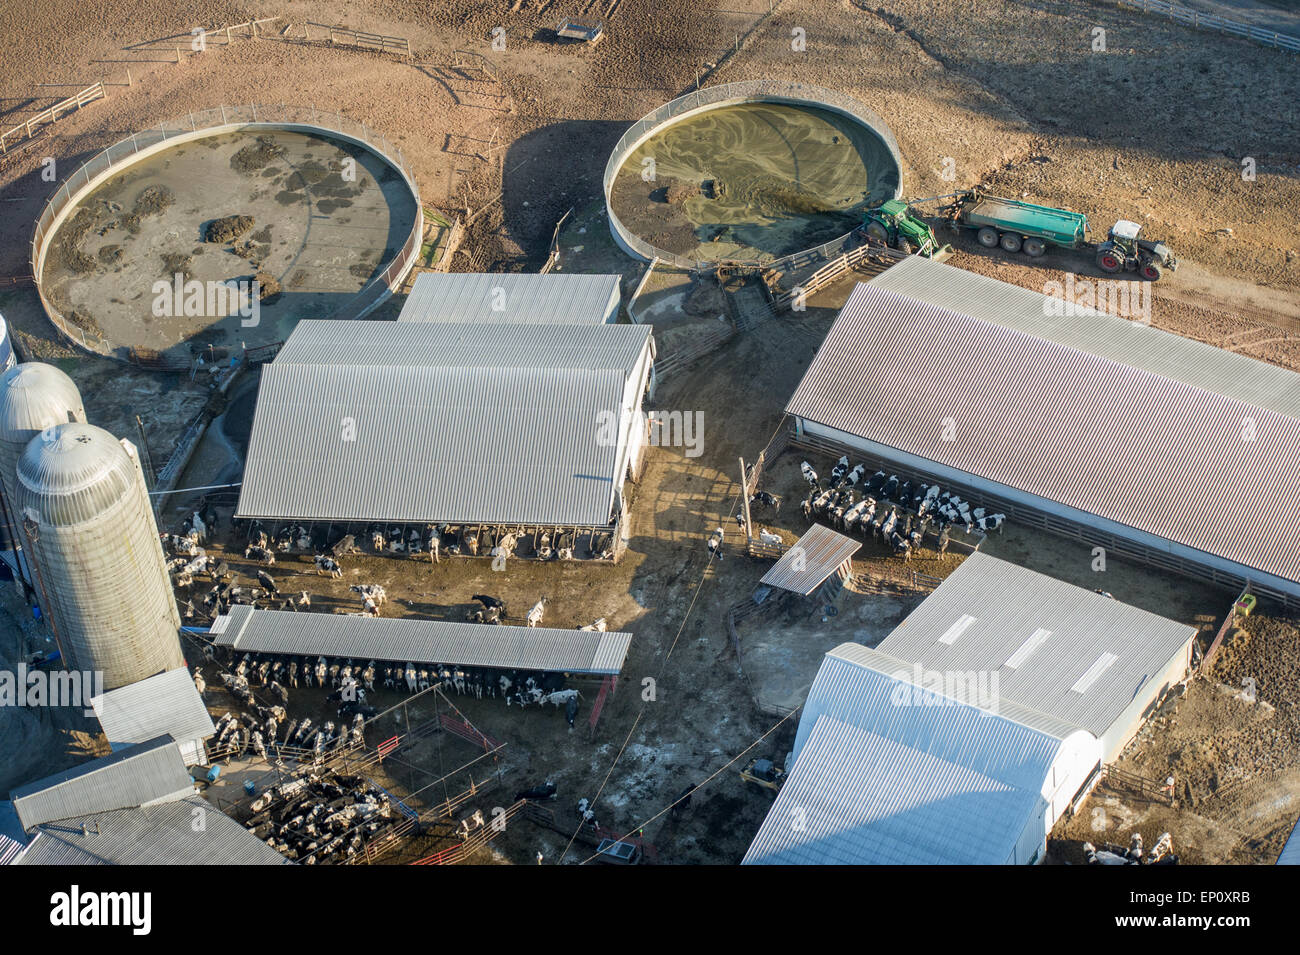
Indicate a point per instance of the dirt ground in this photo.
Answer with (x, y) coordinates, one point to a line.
(515, 138)
(1232, 746)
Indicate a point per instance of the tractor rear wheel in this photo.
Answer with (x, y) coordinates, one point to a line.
(1109, 262)
(1034, 247)
(1151, 271)
(988, 237)
(878, 232)
(1010, 242)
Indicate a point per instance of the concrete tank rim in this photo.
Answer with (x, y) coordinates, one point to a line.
(42, 240)
(732, 94)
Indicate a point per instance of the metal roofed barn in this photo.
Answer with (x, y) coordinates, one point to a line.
(167, 703)
(408, 640)
(1139, 444)
(161, 834)
(488, 424)
(513, 298)
(1041, 636)
(818, 554)
(143, 773)
(887, 772)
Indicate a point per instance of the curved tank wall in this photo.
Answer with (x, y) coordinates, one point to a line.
(33, 396)
(99, 564)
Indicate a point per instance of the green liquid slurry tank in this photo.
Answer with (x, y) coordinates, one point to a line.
(99, 566)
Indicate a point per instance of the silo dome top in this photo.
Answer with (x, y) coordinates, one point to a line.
(71, 473)
(35, 396)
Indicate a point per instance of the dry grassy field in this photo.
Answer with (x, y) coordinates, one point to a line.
(1004, 93)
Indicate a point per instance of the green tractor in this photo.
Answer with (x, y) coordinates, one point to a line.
(894, 225)
(1124, 251)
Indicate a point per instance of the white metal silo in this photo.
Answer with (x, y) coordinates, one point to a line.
(99, 566)
(33, 396)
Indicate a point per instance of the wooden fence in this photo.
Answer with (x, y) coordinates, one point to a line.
(48, 117)
(377, 42)
(1229, 622)
(705, 344)
(1208, 21)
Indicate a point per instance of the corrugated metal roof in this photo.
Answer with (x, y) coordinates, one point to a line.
(812, 559)
(1086, 431)
(864, 799)
(167, 703)
(554, 298)
(407, 640)
(509, 446)
(131, 777)
(886, 774)
(1291, 851)
(1052, 631)
(12, 838)
(464, 345)
(1128, 342)
(153, 835)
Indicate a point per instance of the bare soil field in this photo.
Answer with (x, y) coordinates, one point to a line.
(511, 139)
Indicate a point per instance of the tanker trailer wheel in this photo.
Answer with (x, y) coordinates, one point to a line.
(1034, 247)
(988, 237)
(1109, 262)
(1010, 242)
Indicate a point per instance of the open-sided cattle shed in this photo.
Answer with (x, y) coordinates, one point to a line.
(411, 422)
(408, 640)
(1156, 447)
(517, 298)
(818, 554)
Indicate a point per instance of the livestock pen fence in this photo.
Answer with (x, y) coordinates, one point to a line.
(1209, 21)
(1030, 516)
(744, 91)
(208, 123)
(48, 117)
(345, 36)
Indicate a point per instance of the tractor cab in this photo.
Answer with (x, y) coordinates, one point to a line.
(1125, 251)
(892, 223)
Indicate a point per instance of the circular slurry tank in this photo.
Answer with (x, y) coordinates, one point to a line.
(99, 565)
(157, 254)
(750, 171)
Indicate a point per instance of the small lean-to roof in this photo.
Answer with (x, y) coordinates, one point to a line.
(1041, 636)
(405, 639)
(144, 773)
(1193, 463)
(813, 558)
(166, 703)
(557, 298)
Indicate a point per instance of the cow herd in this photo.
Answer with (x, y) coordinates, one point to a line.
(892, 509)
